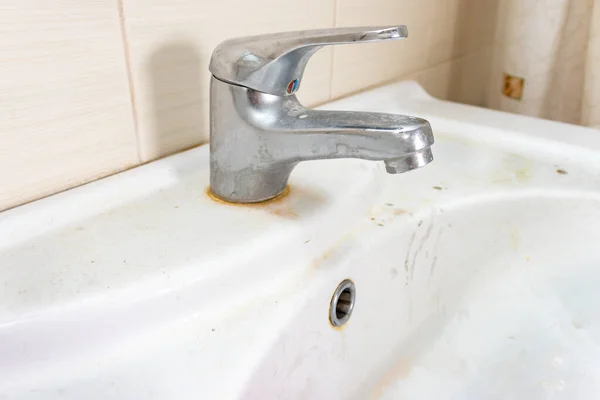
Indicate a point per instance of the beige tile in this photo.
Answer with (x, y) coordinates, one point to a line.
(591, 92)
(470, 77)
(447, 31)
(66, 115)
(482, 23)
(170, 43)
(437, 81)
(462, 27)
(364, 65)
(439, 31)
(462, 79)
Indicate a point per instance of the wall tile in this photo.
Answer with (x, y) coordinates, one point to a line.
(439, 31)
(471, 77)
(591, 98)
(170, 44)
(66, 114)
(359, 66)
(437, 80)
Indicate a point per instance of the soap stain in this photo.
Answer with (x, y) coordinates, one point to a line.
(522, 175)
(513, 169)
(515, 239)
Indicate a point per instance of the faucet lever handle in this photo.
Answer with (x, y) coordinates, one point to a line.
(274, 63)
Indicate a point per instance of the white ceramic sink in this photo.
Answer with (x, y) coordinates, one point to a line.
(476, 277)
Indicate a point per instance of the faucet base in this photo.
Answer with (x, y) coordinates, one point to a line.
(249, 186)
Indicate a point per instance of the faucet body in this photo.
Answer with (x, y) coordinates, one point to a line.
(259, 136)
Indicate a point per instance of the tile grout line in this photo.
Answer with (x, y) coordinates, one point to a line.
(331, 69)
(131, 85)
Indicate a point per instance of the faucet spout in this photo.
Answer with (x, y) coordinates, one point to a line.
(411, 161)
(304, 134)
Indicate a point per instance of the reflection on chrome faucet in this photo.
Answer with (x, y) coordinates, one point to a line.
(259, 130)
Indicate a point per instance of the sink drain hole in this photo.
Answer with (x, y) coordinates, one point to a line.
(342, 303)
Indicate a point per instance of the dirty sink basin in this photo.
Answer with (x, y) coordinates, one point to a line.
(474, 277)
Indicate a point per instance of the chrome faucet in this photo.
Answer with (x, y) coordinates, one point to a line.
(259, 131)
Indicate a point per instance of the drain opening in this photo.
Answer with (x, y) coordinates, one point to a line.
(342, 308)
(342, 303)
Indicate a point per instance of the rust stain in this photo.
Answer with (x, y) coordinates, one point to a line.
(280, 206)
(317, 261)
(513, 86)
(561, 171)
(281, 212)
(337, 328)
(399, 371)
(309, 194)
(399, 211)
(386, 215)
(334, 248)
(275, 199)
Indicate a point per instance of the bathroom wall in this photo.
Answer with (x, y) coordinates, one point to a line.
(590, 114)
(90, 88)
